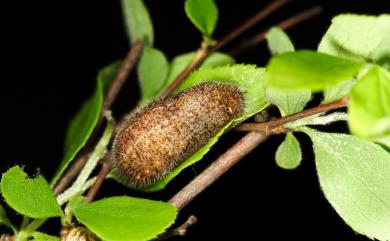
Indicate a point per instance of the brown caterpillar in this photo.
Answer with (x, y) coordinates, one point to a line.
(165, 133)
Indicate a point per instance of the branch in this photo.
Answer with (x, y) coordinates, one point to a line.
(271, 125)
(105, 169)
(179, 231)
(285, 24)
(245, 145)
(117, 83)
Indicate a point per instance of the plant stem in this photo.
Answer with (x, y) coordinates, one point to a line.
(285, 24)
(105, 169)
(179, 231)
(263, 13)
(217, 168)
(71, 192)
(269, 126)
(117, 83)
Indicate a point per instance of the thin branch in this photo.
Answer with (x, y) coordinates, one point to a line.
(285, 24)
(263, 13)
(117, 83)
(217, 168)
(105, 169)
(269, 126)
(179, 231)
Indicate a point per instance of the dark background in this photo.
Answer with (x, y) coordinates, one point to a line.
(50, 54)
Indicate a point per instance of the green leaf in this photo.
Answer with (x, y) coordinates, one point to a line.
(152, 72)
(288, 102)
(4, 219)
(278, 41)
(84, 122)
(355, 177)
(203, 14)
(126, 218)
(384, 141)
(137, 21)
(359, 36)
(76, 201)
(338, 91)
(180, 62)
(310, 70)
(289, 154)
(369, 108)
(38, 236)
(249, 79)
(30, 197)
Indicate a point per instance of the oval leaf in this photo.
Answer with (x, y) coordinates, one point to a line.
(310, 70)
(249, 79)
(278, 41)
(338, 91)
(288, 102)
(369, 108)
(358, 36)
(289, 154)
(30, 197)
(137, 21)
(152, 71)
(203, 14)
(355, 177)
(126, 218)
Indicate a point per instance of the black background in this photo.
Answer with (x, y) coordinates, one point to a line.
(50, 54)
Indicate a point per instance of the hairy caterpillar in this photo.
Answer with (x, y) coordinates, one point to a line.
(165, 133)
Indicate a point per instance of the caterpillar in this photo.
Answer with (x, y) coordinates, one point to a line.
(159, 137)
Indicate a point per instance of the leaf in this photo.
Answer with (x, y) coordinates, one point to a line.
(369, 108)
(203, 14)
(249, 79)
(338, 91)
(180, 62)
(310, 70)
(278, 41)
(30, 197)
(355, 177)
(4, 219)
(152, 72)
(84, 122)
(126, 218)
(289, 154)
(76, 201)
(137, 21)
(288, 102)
(38, 236)
(358, 36)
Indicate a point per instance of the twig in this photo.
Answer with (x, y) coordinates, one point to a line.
(271, 125)
(285, 24)
(105, 169)
(265, 12)
(217, 168)
(179, 231)
(117, 83)
(242, 148)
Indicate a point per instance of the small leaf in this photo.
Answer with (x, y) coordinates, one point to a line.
(83, 123)
(137, 21)
(4, 219)
(30, 197)
(203, 14)
(249, 79)
(288, 102)
(289, 154)
(126, 218)
(355, 177)
(358, 36)
(38, 236)
(179, 63)
(338, 91)
(152, 72)
(278, 41)
(76, 201)
(310, 70)
(369, 108)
